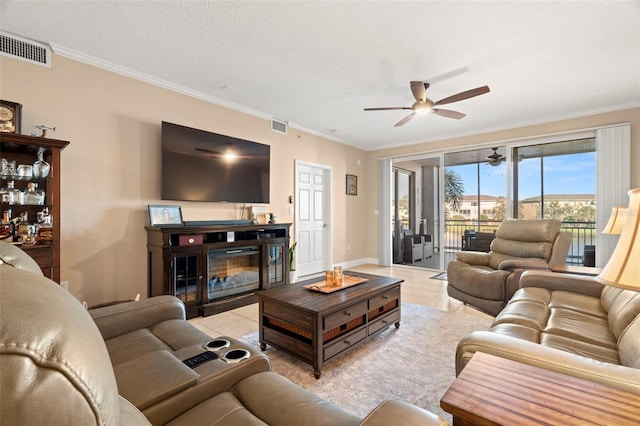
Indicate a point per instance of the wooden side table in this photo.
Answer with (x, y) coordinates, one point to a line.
(498, 391)
(577, 270)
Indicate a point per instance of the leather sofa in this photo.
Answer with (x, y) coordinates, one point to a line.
(566, 323)
(123, 365)
(488, 280)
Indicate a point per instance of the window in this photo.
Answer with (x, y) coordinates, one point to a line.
(555, 181)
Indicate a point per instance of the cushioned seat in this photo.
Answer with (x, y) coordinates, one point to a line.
(127, 366)
(488, 280)
(566, 323)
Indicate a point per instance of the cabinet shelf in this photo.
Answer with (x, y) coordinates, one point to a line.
(23, 149)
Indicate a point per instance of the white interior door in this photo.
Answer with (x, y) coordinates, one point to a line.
(312, 222)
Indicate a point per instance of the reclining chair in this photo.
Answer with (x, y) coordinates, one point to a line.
(488, 280)
(56, 368)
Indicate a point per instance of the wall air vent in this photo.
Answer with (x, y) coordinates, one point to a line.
(25, 50)
(279, 126)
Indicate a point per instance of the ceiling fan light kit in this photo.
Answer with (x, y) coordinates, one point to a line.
(424, 105)
(495, 159)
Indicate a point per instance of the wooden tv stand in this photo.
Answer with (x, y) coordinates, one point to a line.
(181, 263)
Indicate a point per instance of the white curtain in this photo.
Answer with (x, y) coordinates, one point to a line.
(613, 181)
(384, 212)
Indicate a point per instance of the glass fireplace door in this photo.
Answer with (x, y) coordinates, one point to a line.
(232, 272)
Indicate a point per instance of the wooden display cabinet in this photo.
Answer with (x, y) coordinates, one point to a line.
(23, 149)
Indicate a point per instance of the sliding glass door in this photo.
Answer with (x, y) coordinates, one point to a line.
(558, 181)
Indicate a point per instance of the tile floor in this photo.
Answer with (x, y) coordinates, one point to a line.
(417, 288)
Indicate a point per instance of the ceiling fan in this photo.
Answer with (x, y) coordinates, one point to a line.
(425, 105)
(495, 159)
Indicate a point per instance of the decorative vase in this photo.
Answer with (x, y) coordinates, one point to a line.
(41, 168)
(293, 276)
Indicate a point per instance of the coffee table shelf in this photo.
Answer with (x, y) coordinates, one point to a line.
(315, 327)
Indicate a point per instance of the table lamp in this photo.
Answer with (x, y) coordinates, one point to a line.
(616, 221)
(623, 268)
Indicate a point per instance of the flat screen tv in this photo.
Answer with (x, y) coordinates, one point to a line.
(204, 166)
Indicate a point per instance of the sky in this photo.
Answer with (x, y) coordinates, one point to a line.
(565, 174)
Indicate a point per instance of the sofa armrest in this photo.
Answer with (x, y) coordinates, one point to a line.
(399, 412)
(122, 318)
(473, 257)
(565, 282)
(153, 377)
(511, 264)
(616, 376)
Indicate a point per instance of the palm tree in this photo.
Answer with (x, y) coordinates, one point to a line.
(453, 189)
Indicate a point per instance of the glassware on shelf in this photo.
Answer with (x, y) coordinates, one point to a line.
(24, 171)
(11, 195)
(6, 226)
(8, 168)
(47, 219)
(41, 168)
(33, 196)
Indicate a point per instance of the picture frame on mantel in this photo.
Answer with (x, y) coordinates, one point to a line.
(162, 215)
(352, 185)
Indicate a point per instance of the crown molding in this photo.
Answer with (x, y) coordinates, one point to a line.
(146, 78)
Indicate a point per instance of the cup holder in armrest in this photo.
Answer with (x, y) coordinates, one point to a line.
(235, 355)
(216, 345)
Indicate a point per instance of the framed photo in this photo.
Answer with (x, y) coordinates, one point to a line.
(352, 185)
(165, 215)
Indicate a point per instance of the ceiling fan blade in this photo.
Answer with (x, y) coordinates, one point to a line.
(385, 108)
(419, 91)
(405, 120)
(448, 113)
(464, 95)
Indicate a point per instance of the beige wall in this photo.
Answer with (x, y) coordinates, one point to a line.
(111, 169)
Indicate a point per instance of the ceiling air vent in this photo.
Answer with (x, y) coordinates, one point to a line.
(25, 50)
(279, 126)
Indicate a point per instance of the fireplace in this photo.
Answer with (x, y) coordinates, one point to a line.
(233, 272)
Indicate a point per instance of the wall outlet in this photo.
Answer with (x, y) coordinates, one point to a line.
(65, 285)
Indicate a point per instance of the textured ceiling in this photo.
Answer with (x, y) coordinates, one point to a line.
(318, 64)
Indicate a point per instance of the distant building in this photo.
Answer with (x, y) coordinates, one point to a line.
(469, 208)
(578, 206)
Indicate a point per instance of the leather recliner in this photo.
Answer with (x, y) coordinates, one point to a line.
(488, 280)
(57, 368)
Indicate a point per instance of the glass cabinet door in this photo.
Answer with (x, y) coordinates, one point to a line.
(186, 277)
(276, 267)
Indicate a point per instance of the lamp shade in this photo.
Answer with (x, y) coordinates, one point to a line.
(623, 269)
(616, 221)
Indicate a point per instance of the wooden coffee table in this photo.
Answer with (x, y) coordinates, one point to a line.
(498, 391)
(315, 327)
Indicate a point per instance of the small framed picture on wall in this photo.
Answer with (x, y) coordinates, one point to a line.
(352, 185)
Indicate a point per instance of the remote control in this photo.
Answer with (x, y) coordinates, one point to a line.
(195, 361)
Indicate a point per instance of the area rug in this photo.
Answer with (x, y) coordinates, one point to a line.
(415, 363)
(441, 276)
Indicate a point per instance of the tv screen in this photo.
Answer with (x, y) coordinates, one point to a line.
(204, 166)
